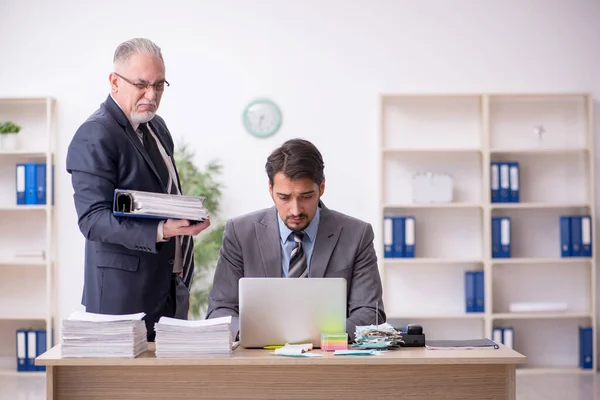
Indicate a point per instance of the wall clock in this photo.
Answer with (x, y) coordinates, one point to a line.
(262, 118)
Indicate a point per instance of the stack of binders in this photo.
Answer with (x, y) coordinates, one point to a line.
(576, 236)
(399, 237)
(30, 345)
(31, 183)
(501, 237)
(504, 182)
(474, 291)
(504, 336)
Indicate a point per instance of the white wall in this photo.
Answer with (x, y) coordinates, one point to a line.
(323, 62)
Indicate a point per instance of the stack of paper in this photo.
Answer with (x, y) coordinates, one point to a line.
(107, 336)
(176, 338)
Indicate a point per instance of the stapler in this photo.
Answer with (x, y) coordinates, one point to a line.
(413, 336)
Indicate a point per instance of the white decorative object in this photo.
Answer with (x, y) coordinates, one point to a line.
(533, 306)
(9, 141)
(432, 188)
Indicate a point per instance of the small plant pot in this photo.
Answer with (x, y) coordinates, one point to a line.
(9, 142)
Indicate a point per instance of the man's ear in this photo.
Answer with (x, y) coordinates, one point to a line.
(114, 82)
(322, 188)
(270, 189)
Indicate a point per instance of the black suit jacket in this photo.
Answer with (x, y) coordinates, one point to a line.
(126, 270)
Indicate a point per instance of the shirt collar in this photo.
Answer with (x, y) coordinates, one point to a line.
(134, 126)
(310, 230)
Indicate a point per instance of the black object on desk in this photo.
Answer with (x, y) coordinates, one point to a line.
(413, 336)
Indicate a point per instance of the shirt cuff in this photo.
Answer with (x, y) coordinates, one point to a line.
(159, 232)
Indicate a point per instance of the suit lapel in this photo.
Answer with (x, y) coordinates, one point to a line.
(118, 114)
(267, 235)
(327, 237)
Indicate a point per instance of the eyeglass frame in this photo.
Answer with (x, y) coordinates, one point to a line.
(145, 86)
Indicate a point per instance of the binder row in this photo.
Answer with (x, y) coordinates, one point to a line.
(31, 183)
(30, 344)
(575, 236)
(399, 237)
(504, 336)
(474, 291)
(504, 185)
(501, 237)
(586, 347)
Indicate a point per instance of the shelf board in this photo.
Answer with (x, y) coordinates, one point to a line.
(438, 316)
(437, 151)
(541, 151)
(537, 261)
(24, 261)
(8, 367)
(553, 370)
(40, 207)
(25, 152)
(543, 315)
(541, 206)
(434, 205)
(23, 317)
(444, 261)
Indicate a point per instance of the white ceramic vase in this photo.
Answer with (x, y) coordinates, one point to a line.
(9, 142)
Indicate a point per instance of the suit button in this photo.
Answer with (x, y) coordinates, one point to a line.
(171, 261)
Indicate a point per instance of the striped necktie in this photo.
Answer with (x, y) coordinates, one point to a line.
(298, 266)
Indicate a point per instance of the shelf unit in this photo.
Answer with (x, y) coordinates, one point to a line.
(460, 135)
(27, 294)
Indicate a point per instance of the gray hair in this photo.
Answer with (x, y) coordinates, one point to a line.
(136, 46)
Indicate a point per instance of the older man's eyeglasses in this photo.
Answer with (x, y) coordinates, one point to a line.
(158, 86)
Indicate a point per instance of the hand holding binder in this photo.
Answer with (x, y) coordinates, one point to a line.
(183, 227)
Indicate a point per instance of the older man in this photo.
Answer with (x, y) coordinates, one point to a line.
(131, 265)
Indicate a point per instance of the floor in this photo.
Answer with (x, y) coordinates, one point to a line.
(529, 387)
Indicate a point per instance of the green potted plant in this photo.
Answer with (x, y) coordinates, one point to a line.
(202, 182)
(8, 133)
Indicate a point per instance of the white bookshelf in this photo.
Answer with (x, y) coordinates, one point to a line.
(27, 294)
(460, 135)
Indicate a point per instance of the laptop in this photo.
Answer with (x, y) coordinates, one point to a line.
(276, 311)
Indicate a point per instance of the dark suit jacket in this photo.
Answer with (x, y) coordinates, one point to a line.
(343, 248)
(126, 270)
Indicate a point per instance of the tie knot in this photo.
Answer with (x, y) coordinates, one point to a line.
(298, 236)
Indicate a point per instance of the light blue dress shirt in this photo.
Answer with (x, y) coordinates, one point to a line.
(287, 241)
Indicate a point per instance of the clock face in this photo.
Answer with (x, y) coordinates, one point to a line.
(262, 118)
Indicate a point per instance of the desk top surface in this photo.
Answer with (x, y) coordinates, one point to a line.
(242, 356)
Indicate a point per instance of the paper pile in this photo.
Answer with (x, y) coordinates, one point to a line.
(106, 336)
(382, 336)
(176, 338)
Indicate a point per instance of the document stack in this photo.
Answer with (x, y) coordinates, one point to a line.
(92, 335)
(176, 338)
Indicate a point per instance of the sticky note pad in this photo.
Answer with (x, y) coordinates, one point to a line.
(334, 341)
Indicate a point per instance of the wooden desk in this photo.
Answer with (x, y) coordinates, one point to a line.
(407, 373)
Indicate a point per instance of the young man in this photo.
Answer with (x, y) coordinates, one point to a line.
(131, 265)
(298, 238)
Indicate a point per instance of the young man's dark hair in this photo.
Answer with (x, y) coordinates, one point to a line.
(297, 159)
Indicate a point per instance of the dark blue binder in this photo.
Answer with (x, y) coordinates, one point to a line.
(388, 237)
(30, 183)
(514, 178)
(586, 236)
(495, 182)
(409, 237)
(21, 351)
(479, 291)
(565, 236)
(495, 237)
(40, 347)
(398, 237)
(470, 291)
(40, 183)
(504, 182)
(576, 245)
(586, 347)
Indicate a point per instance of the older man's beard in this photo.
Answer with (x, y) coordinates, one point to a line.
(143, 116)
